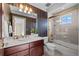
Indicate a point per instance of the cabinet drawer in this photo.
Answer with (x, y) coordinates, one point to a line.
(23, 53)
(11, 50)
(37, 43)
(13, 54)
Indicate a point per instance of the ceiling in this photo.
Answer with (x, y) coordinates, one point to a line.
(59, 7)
(52, 8)
(42, 6)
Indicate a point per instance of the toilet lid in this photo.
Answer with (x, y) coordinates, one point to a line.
(50, 44)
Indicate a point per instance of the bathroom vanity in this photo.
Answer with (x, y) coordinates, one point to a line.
(20, 25)
(25, 48)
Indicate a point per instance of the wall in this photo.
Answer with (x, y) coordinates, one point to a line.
(72, 33)
(5, 19)
(42, 24)
(73, 11)
(78, 29)
(0, 20)
(1, 41)
(0, 25)
(51, 26)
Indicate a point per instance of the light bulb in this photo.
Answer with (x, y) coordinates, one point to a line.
(26, 9)
(30, 10)
(20, 10)
(21, 7)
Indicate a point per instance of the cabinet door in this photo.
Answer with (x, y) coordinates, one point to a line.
(1, 52)
(36, 51)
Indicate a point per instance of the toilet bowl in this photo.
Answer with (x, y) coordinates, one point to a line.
(48, 44)
(48, 47)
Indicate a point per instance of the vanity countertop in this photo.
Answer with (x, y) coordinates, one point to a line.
(9, 42)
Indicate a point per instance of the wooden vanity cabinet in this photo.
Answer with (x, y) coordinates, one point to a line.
(36, 48)
(30, 49)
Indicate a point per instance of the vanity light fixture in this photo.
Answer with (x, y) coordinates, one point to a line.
(25, 9)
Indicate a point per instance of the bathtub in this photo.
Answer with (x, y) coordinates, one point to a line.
(60, 48)
(65, 49)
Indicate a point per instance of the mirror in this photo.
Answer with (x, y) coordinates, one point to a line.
(18, 25)
(21, 26)
(31, 26)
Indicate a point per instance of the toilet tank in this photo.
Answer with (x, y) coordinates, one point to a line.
(45, 39)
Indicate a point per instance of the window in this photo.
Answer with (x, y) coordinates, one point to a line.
(66, 19)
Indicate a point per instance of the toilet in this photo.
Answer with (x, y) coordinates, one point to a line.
(49, 48)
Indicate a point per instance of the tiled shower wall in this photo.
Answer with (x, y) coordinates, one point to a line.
(67, 32)
(66, 35)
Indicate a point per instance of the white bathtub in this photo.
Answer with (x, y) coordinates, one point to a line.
(66, 49)
(60, 48)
